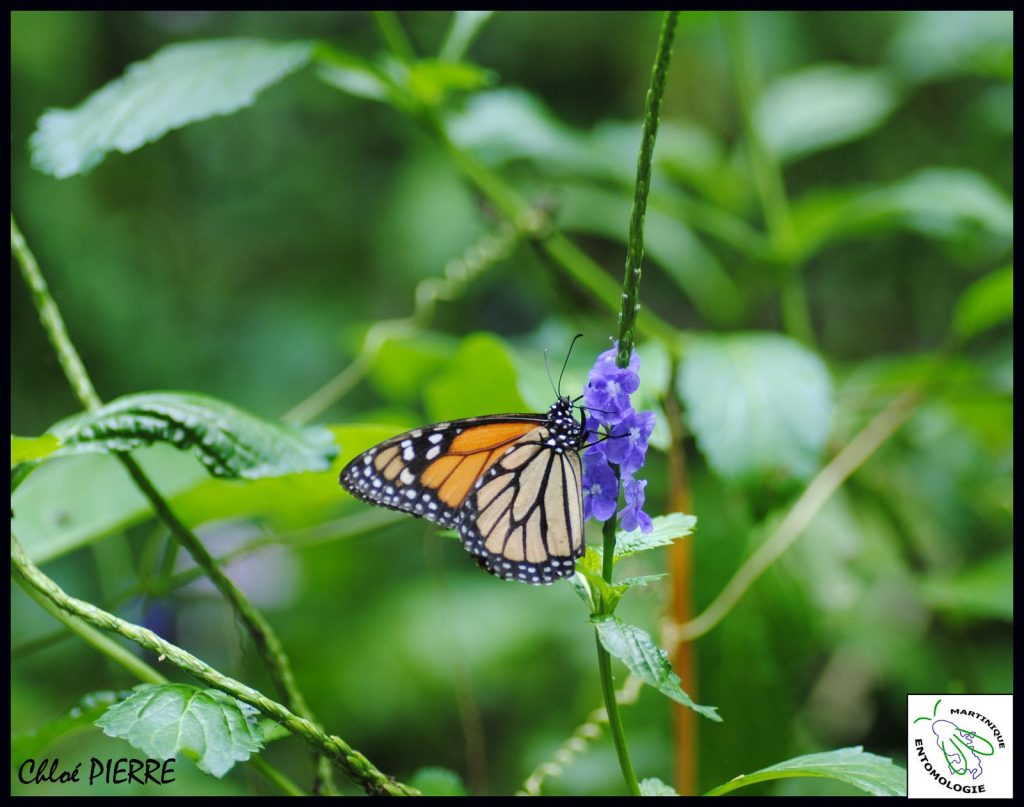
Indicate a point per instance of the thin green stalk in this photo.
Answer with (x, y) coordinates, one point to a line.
(627, 336)
(770, 184)
(355, 765)
(641, 190)
(52, 321)
(394, 35)
(604, 666)
(137, 667)
(266, 640)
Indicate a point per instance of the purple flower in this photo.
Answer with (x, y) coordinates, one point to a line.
(623, 442)
(600, 487)
(632, 515)
(609, 387)
(628, 444)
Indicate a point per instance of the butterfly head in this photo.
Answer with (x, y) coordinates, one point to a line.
(568, 432)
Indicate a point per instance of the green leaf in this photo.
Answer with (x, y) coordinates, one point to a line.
(457, 391)
(983, 591)
(634, 647)
(511, 124)
(354, 75)
(655, 787)
(71, 502)
(28, 744)
(229, 442)
(988, 302)
(823, 106)
(179, 85)
(936, 44)
(666, 529)
(430, 81)
(759, 404)
(438, 782)
(948, 203)
(403, 364)
(873, 774)
(27, 449)
(642, 580)
(212, 729)
(955, 207)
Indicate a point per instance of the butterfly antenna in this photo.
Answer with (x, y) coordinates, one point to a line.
(550, 379)
(565, 364)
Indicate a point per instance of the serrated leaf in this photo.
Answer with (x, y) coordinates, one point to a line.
(637, 650)
(437, 782)
(655, 787)
(178, 85)
(823, 106)
(29, 744)
(229, 442)
(988, 302)
(665, 530)
(28, 449)
(760, 404)
(873, 774)
(212, 729)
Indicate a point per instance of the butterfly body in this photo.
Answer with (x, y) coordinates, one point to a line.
(510, 484)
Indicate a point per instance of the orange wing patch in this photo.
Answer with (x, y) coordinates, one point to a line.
(491, 435)
(468, 457)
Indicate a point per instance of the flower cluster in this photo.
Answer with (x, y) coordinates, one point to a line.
(623, 442)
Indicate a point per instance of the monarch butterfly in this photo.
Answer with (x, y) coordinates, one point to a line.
(512, 485)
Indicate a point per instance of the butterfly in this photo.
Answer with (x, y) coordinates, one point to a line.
(511, 485)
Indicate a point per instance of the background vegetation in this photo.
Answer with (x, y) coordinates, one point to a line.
(842, 180)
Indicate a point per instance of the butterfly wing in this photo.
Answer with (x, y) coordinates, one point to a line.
(429, 471)
(523, 520)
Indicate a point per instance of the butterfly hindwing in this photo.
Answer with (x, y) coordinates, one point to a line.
(524, 518)
(429, 471)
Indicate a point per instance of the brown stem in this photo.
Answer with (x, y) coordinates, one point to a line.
(680, 562)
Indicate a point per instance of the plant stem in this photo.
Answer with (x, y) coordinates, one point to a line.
(641, 190)
(394, 35)
(358, 767)
(680, 564)
(627, 336)
(604, 665)
(52, 321)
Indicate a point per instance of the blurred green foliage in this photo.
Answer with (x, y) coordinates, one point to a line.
(248, 256)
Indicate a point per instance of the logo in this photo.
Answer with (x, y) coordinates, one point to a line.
(959, 746)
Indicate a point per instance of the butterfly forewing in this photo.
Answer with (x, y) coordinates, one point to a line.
(429, 471)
